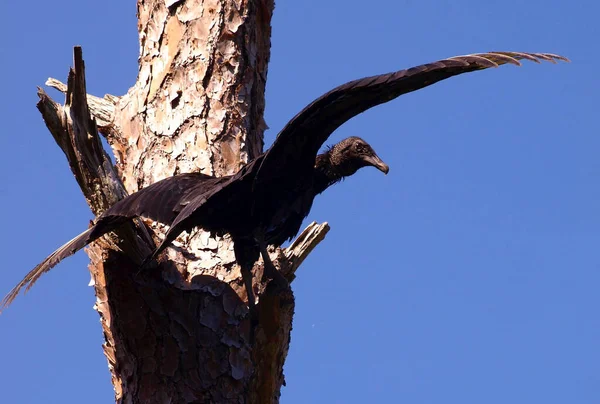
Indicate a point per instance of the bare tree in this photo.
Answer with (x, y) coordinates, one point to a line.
(179, 333)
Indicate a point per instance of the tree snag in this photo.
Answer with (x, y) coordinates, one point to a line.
(179, 332)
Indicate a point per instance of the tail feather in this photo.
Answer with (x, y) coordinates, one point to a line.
(63, 252)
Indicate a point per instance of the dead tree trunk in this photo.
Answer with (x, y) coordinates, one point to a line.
(179, 333)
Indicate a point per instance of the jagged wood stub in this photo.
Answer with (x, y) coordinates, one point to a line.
(179, 332)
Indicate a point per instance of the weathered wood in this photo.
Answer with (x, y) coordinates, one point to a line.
(101, 109)
(302, 246)
(179, 332)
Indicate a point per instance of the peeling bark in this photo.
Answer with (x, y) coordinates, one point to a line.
(179, 332)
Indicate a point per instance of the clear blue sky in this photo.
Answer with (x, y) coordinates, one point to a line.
(469, 274)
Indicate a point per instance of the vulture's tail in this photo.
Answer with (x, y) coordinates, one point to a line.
(63, 252)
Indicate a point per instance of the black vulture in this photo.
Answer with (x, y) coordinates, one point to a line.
(265, 202)
(185, 201)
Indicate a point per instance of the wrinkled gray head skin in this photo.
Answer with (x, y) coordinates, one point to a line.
(353, 153)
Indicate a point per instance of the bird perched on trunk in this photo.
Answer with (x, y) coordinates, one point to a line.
(221, 205)
(266, 201)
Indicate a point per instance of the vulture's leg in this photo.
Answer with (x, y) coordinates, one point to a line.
(247, 277)
(270, 270)
(246, 254)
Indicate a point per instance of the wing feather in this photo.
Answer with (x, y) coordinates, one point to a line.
(161, 201)
(299, 141)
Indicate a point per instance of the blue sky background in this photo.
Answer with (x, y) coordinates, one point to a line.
(469, 274)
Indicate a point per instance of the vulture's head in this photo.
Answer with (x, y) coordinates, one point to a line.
(352, 154)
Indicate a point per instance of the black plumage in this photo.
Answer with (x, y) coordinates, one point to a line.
(266, 201)
(185, 201)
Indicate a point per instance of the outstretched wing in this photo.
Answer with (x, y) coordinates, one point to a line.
(299, 141)
(161, 201)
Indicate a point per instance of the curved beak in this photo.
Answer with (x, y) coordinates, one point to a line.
(376, 162)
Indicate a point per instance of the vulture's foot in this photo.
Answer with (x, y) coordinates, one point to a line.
(247, 277)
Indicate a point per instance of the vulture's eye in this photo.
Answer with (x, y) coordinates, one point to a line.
(361, 148)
